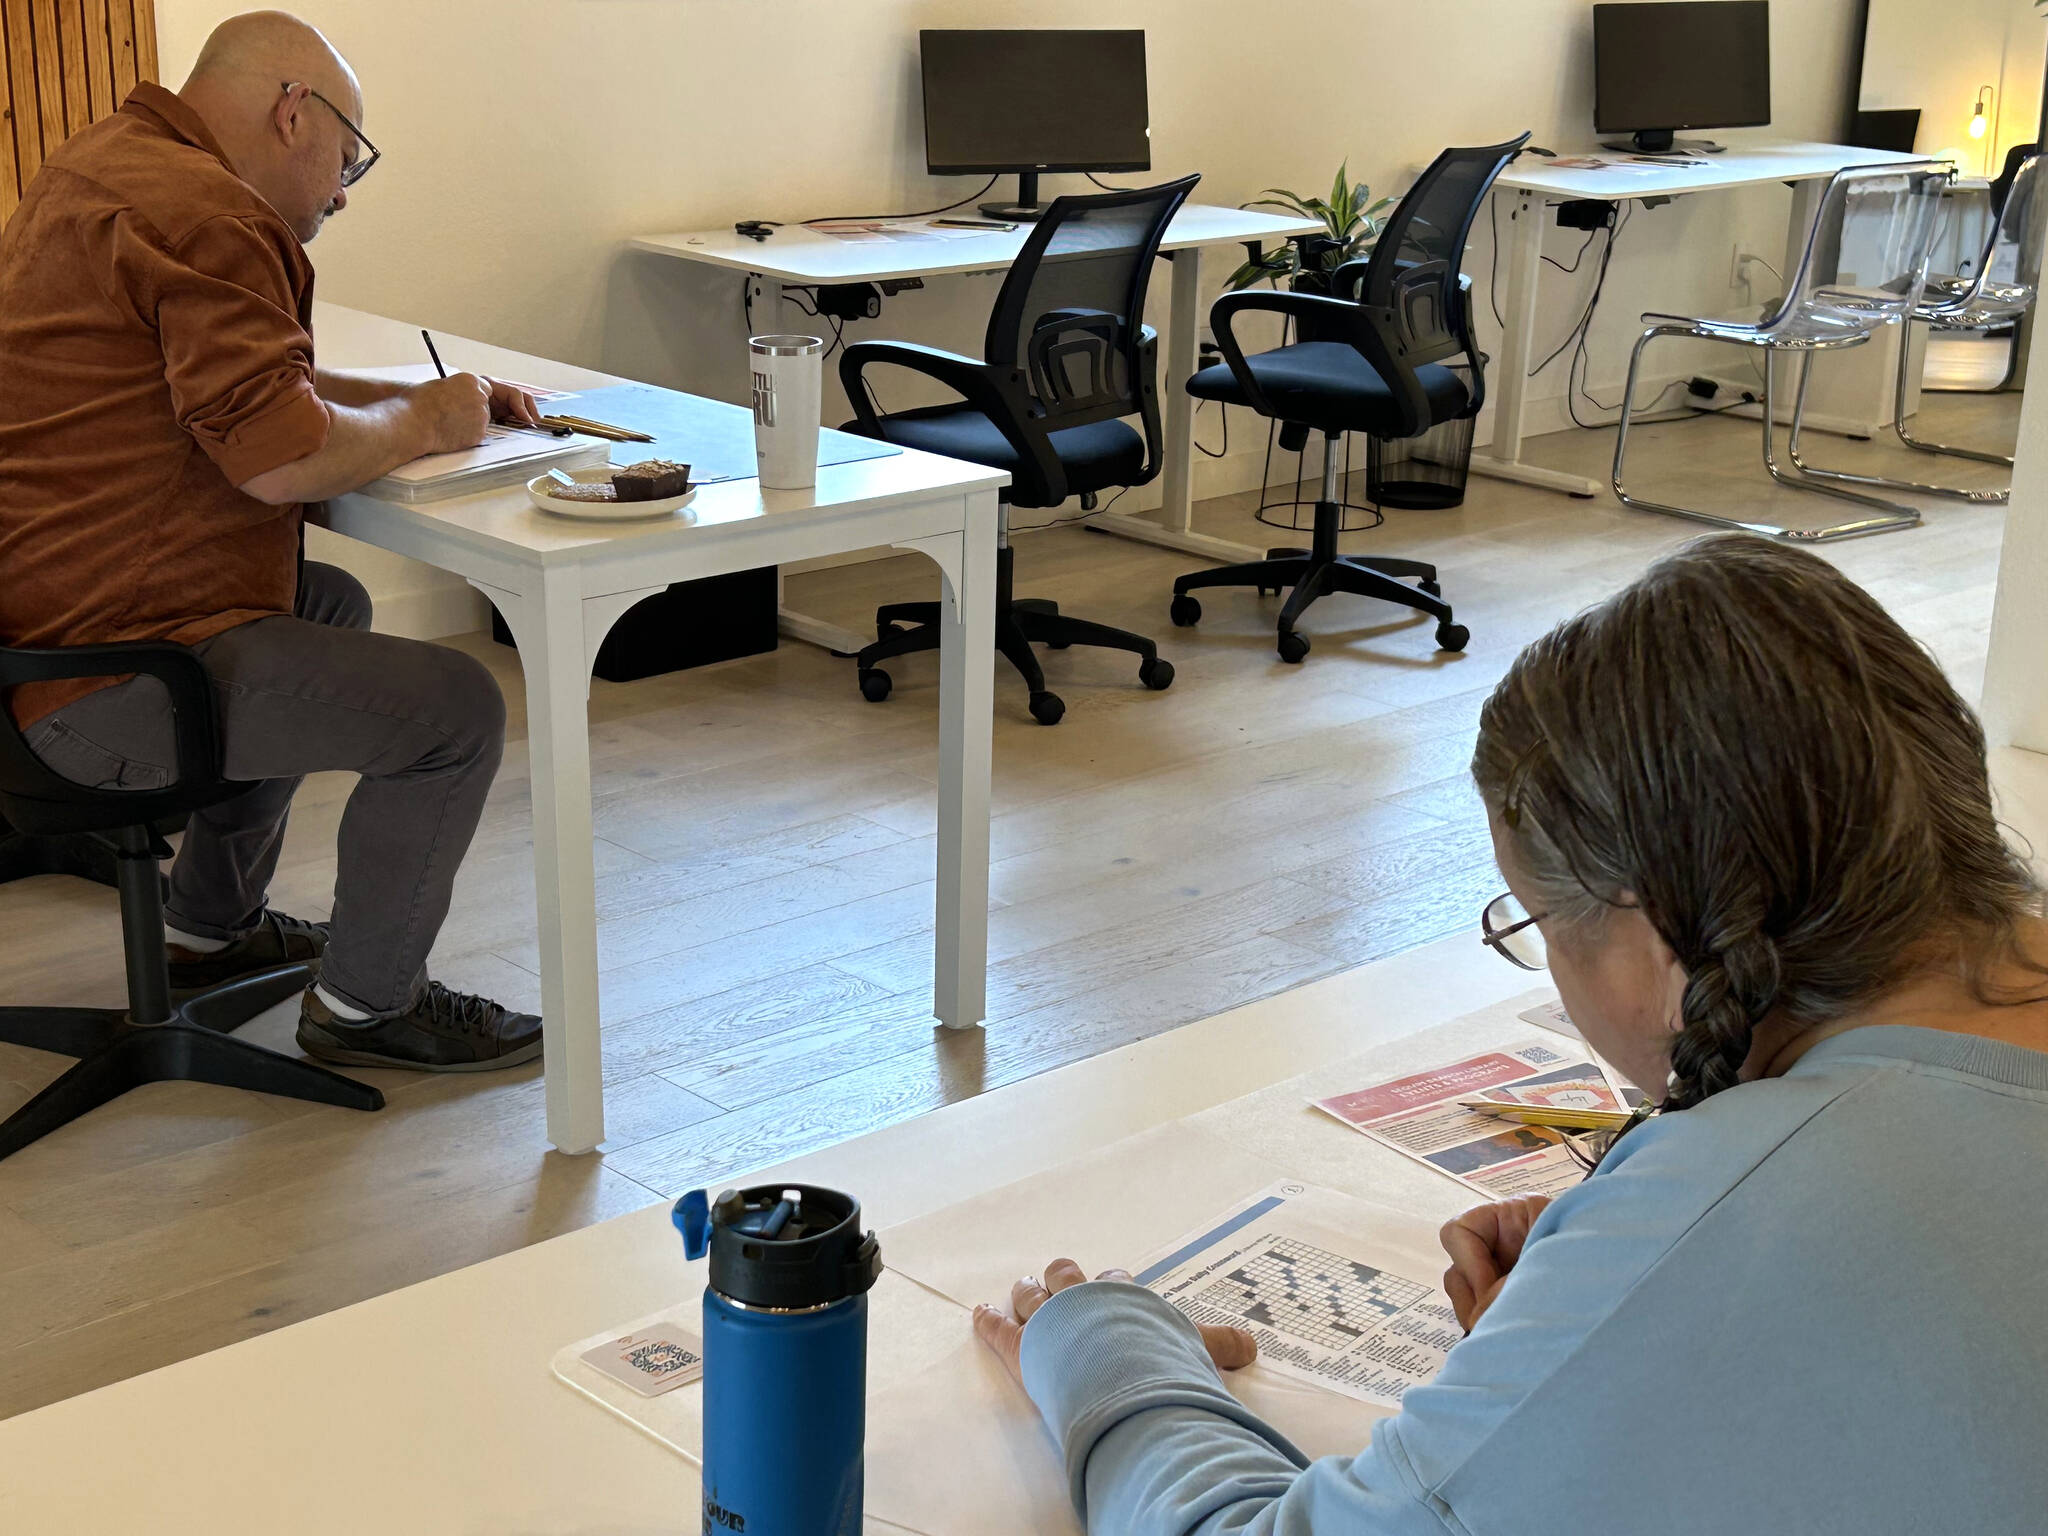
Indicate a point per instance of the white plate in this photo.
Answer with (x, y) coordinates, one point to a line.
(602, 511)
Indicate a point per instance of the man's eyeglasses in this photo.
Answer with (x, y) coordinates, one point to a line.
(1506, 927)
(355, 168)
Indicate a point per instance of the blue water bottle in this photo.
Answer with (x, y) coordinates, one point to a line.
(785, 1357)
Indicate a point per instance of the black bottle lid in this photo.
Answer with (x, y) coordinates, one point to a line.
(789, 1246)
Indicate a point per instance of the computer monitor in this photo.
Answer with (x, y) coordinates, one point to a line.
(1680, 64)
(997, 102)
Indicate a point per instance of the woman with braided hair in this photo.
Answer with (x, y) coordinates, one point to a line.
(1745, 823)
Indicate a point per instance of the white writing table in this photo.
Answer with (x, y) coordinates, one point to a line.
(453, 1421)
(797, 257)
(562, 584)
(1531, 185)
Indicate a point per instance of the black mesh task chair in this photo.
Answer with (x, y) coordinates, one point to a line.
(1067, 357)
(1370, 358)
(150, 1041)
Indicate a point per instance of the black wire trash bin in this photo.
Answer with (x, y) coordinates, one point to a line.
(1426, 473)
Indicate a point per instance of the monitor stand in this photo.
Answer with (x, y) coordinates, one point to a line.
(1026, 210)
(1662, 141)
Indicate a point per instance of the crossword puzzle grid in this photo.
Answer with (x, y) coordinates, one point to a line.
(1308, 1293)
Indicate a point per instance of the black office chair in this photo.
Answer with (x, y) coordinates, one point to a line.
(151, 1041)
(1369, 359)
(1067, 357)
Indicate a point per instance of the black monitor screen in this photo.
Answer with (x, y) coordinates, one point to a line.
(1692, 64)
(1035, 101)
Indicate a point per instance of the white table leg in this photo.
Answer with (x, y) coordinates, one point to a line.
(548, 623)
(1509, 383)
(1176, 470)
(764, 305)
(966, 730)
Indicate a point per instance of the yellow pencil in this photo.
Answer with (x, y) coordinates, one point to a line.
(1556, 1119)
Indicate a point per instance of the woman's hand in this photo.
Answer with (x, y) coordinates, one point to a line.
(1003, 1332)
(1484, 1244)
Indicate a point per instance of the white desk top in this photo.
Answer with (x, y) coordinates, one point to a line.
(433, 1409)
(1739, 165)
(797, 255)
(506, 523)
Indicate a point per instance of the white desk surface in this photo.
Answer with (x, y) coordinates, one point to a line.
(797, 255)
(506, 523)
(433, 1409)
(1739, 165)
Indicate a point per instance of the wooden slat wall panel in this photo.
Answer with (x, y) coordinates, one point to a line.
(71, 54)
(10, 170)
(64, 64)
(49, 76)
(99, 59)
(121, 36)
(23, 98)
(145, 39)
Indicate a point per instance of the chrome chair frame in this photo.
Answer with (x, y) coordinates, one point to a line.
(1798, 326)
(1965, 303)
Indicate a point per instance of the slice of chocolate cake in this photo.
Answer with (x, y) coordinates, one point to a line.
(651, 480)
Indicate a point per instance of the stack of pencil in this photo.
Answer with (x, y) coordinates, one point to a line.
(602, 429)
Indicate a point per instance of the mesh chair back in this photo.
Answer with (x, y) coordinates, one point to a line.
(1414, 268)
(1866, 257)
(1070, 318)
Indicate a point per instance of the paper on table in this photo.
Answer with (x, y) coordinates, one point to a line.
(1313, 1276)
(1417, 1114)
(1551, 1015)
(506, 456)
(1104, 1211)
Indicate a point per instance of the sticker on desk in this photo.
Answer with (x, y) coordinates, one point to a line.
(651, 1363)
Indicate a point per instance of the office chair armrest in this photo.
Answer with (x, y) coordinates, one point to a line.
(980, 384)
(1357, 324)
(195, 729)
(1345, 280)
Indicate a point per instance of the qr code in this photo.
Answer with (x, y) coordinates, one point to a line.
(661, 1358)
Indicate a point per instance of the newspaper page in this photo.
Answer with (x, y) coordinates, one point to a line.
(1290, 1266)
(1418, 1115)
(1551, 1015)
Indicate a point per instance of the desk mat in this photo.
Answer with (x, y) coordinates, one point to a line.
(715, 439)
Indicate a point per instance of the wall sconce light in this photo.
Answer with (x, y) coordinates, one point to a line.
(1979, 124)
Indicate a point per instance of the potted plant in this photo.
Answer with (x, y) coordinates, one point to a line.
(1351, 223)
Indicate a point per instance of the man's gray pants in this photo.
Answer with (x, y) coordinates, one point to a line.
(424, 725)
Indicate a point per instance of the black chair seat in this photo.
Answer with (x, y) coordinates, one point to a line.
(1330, 386)
(1096, 456)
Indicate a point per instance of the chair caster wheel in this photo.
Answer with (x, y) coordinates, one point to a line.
(1156, 674)
(874, 685)
(1293, 646)
(1452, 637)
(1433, 588)
(1046, 708)
(1185, 611)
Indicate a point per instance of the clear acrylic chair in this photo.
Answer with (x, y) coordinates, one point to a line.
(2008, 272)
(1864, 268)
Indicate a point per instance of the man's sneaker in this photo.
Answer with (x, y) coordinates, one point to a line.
(275, 940)
(443, 1031)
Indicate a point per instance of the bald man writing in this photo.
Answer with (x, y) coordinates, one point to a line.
(162, 422)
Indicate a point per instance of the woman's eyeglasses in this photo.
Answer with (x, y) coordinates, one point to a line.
(1506, 927)
(355, 167)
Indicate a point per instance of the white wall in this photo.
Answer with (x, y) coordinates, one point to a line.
(1937, 59)
(524, 140)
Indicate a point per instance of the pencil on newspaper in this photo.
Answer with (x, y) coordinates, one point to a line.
(1555, 1118)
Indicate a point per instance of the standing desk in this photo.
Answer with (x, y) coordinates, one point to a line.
(795, 256)
(562, 584)
(1531, 185)
(459, 1425)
